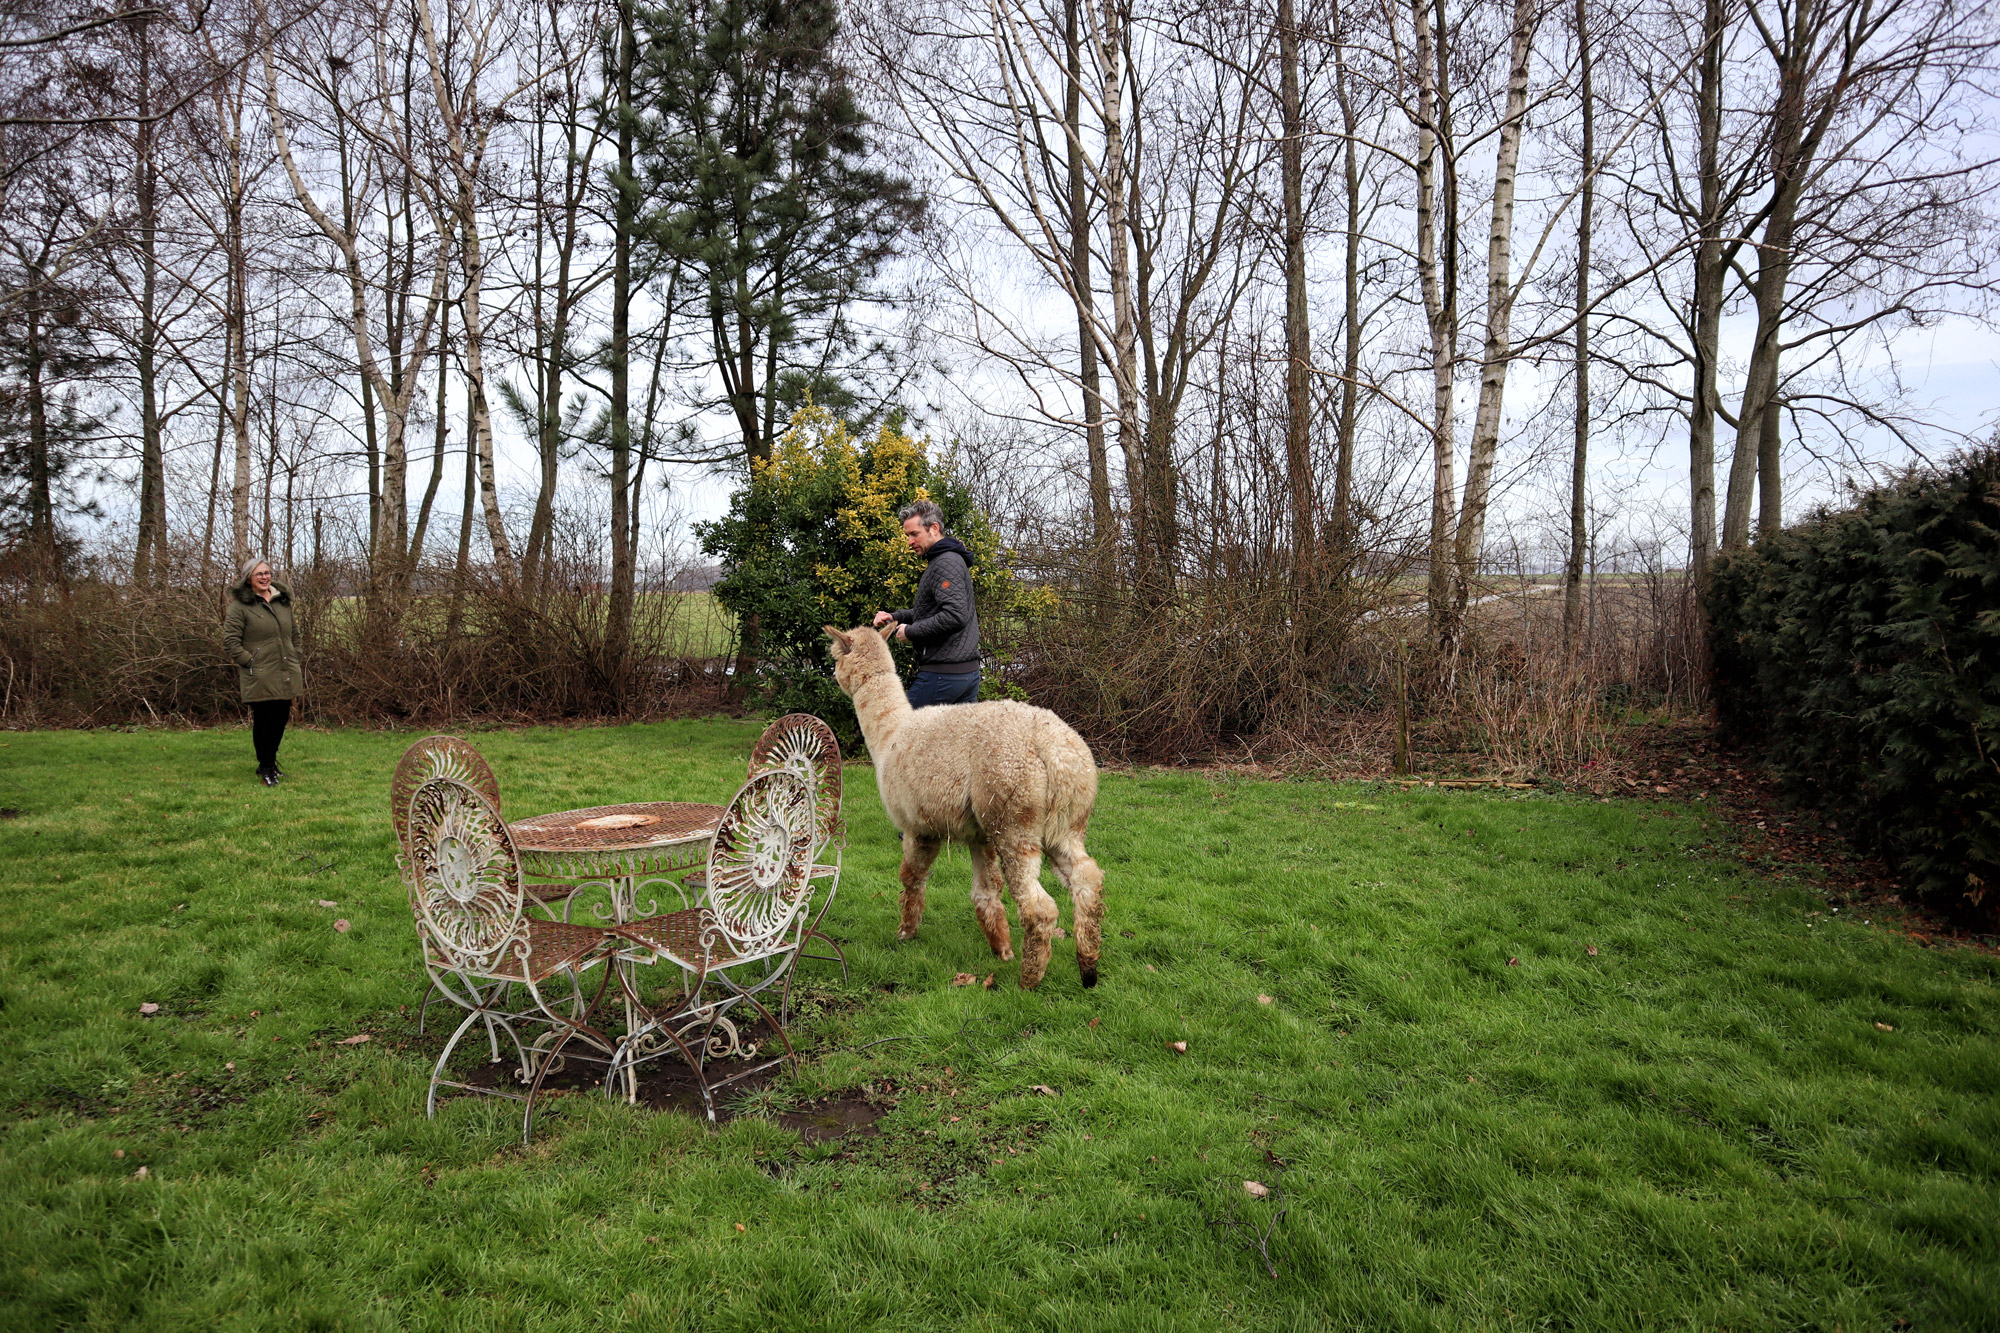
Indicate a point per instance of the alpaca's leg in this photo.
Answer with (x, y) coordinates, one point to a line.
(1022, 862)
(918, 853)
(1085, 882)
(987, 903)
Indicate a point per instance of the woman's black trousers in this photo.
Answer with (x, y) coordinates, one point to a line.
(267, 728)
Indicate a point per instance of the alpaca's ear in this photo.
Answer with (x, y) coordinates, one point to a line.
(842, 645)
(888, 632)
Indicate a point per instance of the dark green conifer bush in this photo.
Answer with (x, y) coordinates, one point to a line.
(1861, 650)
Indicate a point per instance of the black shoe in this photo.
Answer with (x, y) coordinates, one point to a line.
(279, 771)
(269, 775)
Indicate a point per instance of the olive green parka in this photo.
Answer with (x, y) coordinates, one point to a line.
(262, 638)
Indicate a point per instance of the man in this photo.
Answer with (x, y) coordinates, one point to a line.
(942, 626)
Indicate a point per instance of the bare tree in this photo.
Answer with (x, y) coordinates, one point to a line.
(389, 134)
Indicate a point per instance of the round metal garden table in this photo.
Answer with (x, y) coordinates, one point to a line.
(625, 849)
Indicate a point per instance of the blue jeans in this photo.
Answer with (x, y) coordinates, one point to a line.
(938, 687)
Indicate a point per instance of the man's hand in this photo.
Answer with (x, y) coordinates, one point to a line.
(882, 618)
(903, 633)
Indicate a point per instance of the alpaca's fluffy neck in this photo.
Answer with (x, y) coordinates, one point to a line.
(881, 706)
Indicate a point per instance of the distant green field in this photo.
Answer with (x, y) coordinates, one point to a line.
(677, 624)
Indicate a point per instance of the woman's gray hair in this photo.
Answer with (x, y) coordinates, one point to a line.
(243, 575)
(925, 512)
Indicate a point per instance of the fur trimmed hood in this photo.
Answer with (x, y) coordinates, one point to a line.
(279, 593)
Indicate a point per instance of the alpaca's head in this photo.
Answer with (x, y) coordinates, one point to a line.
(859, 655)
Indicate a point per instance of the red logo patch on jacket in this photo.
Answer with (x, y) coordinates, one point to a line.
(947, 583)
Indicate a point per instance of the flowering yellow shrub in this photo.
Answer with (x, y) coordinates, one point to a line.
(813, 540)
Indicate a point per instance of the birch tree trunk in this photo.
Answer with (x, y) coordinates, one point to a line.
(1500, 293)
(1110, 40)
(468, 114)
(1441, 316)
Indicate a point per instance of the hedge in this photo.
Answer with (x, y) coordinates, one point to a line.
(1860, 650)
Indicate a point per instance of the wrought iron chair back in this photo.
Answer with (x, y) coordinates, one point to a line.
(760, 864)
(801, 743)
(437, 757)
(464, 878)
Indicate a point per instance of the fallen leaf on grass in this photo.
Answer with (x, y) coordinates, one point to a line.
(141, 1173)
(1256, 1189)
(231, 1066)
(1885, 1027)
(1513, 962)
(342, 925)
(117, 1152)
(1151, 968)
(354, 1040)
(963, 979)
(1263, 999)
(741, 1227)
(1178, 1047)
(956, 1119)
(988, 983)
(326, 902)
(1093, 1022)
(1045, 1090)
(1061, 934)
(1592, 951)
(149, 1008)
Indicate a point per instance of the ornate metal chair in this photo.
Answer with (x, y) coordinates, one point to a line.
(740, 938)
(801, 743)
(479, 944)
(451, 757)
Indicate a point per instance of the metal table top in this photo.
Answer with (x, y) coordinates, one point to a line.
(639, 826)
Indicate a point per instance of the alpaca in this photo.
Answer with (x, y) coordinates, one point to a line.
(1007, 780)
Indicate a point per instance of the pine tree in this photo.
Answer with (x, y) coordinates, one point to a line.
(756, 155)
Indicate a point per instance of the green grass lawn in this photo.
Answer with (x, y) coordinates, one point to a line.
(1469, 1119)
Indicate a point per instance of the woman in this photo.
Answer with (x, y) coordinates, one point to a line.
(262, 638)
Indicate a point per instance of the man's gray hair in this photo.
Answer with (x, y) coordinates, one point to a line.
(925, 512)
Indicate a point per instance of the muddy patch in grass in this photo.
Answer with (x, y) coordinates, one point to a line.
(668, 1085)
(834, 1118)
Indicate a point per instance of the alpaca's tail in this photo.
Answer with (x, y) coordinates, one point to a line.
(1071, 773)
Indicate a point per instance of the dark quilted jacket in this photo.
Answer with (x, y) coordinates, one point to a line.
(943, 625)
